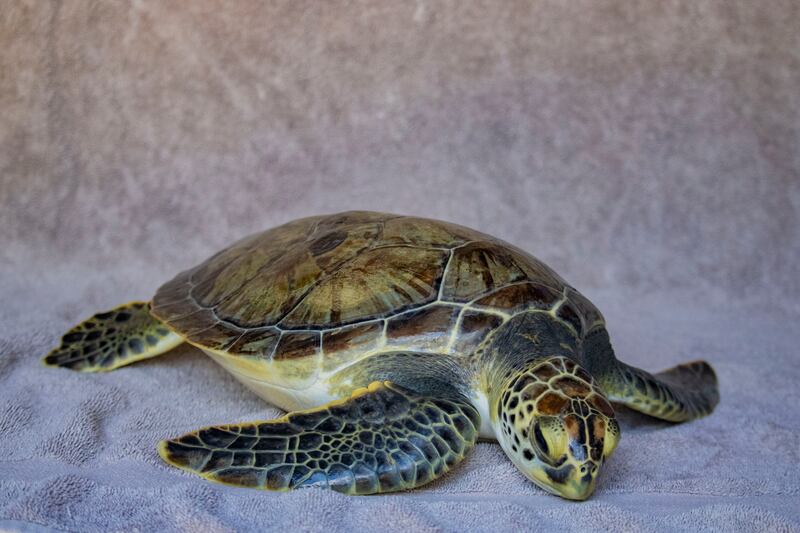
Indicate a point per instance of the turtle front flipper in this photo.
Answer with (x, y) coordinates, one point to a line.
(111, 339)
(681, 393)
(383, 438)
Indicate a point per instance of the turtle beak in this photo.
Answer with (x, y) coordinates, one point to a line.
(581, 485)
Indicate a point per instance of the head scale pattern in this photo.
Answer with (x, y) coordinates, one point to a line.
(557, 425)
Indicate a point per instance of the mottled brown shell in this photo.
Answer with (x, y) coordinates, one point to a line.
(331, 287)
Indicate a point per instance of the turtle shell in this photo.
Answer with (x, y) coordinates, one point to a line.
(323, 290)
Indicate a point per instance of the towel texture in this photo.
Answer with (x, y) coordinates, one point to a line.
(647, 152)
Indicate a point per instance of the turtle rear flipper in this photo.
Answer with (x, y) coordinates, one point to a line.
(681, 393)
(111, 339)
(383, 438)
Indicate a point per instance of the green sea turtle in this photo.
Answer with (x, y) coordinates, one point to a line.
(395, 343)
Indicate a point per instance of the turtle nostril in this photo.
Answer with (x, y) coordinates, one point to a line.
(589, 469)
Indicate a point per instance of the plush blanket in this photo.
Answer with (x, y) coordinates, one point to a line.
(79, 450)
(648, 152)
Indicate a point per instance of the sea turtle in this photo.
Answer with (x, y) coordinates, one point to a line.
(395, 343)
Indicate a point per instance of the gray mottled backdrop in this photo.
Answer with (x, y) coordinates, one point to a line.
(649, 151)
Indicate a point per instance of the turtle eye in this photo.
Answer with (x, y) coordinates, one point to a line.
(549, 438)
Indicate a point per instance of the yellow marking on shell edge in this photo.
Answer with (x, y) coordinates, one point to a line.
(361, 391)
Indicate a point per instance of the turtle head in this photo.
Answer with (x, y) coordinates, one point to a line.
(557, 426)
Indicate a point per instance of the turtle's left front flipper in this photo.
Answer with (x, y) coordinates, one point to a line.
(678, 394)
(112, 339)
(383, 438)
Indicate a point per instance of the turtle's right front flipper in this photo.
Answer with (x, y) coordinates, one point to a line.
(115, 338)
(383, 438)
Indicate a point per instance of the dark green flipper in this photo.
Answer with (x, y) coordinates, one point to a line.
(678, 394)
(383, 438)
(681, 393)
(115, 338)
